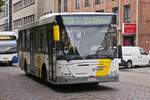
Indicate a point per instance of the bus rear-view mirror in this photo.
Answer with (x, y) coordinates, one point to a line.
(56, 33)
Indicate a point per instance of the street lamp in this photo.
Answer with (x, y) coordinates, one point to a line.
(119, 21)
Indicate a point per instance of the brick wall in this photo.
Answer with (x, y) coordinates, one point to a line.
(144, 15)
(144, 25)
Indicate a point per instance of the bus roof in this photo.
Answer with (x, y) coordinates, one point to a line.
(75, 13)
(51, 17)
(7, 33)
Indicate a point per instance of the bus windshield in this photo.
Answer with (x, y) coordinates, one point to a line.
(88, 37)
(8, 48)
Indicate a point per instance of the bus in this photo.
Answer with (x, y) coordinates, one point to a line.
(70, 48)
(8, 48)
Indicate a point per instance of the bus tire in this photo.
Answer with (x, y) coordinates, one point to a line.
(129, 64)
(10, 63)
(44, 74)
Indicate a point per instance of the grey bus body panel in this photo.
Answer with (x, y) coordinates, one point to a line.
(80, 80)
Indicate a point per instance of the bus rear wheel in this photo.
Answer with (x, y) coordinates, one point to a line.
(44, 75)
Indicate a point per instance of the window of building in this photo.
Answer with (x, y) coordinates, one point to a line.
(6, 24)
(25, 20)
(65, 5)
(115, 10)
(21, 4)
(77, 4)
(6, 11)
(97, 1)
(127, 12)
(2, 27)
(87, 3)
(2, 14)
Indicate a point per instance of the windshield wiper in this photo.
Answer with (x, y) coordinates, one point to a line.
(99, 56)
(73, 57)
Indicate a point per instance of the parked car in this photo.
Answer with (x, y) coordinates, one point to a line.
(134, 56)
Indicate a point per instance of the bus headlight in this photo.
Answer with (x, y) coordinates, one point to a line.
(15, 59)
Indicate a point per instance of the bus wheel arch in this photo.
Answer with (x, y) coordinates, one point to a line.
(44, 73)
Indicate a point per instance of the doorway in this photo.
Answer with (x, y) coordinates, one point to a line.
(129, 40)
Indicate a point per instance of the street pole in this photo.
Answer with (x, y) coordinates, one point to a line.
(137, 22)
(119, 22)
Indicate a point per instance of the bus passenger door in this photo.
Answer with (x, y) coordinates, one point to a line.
(52, 54)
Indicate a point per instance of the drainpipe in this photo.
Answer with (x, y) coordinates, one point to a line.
(92, 8)
(59, 6)
(137, 22)
(37, 8)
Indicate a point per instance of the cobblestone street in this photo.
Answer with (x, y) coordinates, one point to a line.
(134, 84)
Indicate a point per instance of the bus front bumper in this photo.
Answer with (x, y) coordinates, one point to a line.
(80, 80)
(6, 62)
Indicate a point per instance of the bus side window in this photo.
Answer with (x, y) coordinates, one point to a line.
(23, 39)
(28, 39)
(20, 40)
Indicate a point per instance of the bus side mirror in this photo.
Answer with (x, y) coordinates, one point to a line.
(119, 51)
(56, 33)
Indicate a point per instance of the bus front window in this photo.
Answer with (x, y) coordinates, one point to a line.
(89, 40)
(8, 48)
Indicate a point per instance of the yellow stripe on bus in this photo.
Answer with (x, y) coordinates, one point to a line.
(103, 67)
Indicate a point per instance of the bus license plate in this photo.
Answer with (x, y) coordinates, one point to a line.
(91, 79)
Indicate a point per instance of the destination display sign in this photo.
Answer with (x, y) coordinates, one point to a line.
(5, 37)
(87, 20)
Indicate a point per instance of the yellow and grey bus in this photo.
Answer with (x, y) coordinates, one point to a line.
(70, 48)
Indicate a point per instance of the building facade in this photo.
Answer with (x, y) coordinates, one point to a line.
(133, 17)
(2, 19)
(28, 11)
(6, 16)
